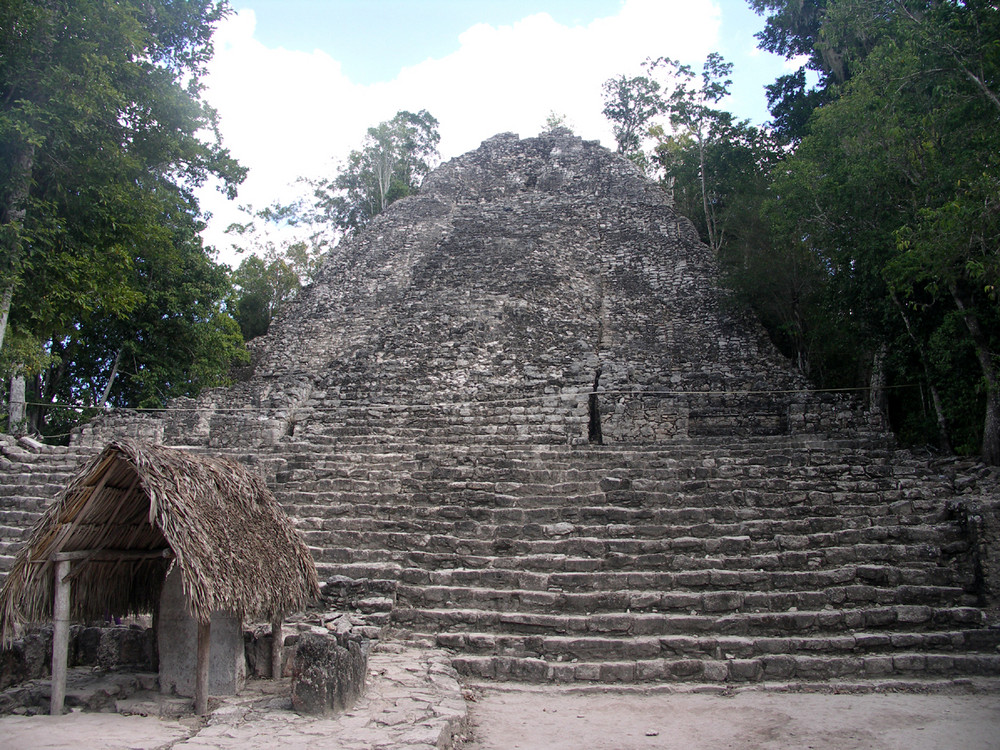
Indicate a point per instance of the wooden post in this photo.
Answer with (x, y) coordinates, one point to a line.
(60, 636)
(277, 649)
(201, 677)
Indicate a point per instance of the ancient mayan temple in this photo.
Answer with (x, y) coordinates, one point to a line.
(517, 418)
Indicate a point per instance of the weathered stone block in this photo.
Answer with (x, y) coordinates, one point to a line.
(778, 666)
(327, 677)
(617, 672)
(874, 666)
(650, 671)
(715, 671)
(909, 663)
(745, 670)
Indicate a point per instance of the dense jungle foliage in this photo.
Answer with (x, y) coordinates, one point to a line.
(863, 224)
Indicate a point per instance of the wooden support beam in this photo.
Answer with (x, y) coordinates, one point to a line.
(60, 636)
(105, 555)
(277, 648)
(112, 554)
(201, 675)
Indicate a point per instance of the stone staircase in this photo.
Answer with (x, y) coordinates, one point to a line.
(773, 559)
(32, 476)
(431, 410)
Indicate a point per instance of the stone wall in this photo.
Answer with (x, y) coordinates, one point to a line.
(105, 647)
(981, 518)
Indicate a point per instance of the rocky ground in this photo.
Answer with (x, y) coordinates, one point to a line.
(415, 702)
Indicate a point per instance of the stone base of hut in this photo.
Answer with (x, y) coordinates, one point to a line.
(177, 637)
(110, 663)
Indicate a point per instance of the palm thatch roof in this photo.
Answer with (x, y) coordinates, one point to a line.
(138, 508)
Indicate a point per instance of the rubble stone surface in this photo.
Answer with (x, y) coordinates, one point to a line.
(519, 419)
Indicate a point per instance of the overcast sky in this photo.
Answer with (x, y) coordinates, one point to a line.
(297, 82)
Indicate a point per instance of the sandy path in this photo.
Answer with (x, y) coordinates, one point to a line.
(540, 720)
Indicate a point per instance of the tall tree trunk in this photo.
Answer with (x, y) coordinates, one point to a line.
(16, 414)
(709, 222)
(876, 394)
(8, 297)
(990, 452)
(12, 214)
(944, 429)
(111, 379)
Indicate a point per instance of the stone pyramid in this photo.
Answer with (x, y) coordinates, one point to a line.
(544, 274)
(517, 418)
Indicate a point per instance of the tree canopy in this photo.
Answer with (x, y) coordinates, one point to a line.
(393, 160)
(631, 104)
(104, 138)
(863, 223)
(893, 189)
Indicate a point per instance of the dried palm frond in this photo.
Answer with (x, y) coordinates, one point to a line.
(135, 508)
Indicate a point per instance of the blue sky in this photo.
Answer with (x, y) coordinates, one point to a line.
(374, 39)
(297, 82)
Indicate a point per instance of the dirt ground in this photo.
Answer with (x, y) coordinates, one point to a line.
(552, 719)
(86, 731)
(548, 720)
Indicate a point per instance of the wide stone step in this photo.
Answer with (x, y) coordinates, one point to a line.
(31, 491)
(445, 466)
(763, 535)
(749, 581)
(11, 532)
(782, 667)
(589, 648)
(354, 437)
(566, 518)
(645, 600)
(904, 618)
(407, 491)
(572, 481)
(697, 567)
(829, 549)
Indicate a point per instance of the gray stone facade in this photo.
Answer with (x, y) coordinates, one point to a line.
(542, 277)
(517, 418)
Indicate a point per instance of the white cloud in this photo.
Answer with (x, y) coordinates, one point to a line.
(794, 63)
(286, 114)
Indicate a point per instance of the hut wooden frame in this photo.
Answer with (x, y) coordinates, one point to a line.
(105, 546)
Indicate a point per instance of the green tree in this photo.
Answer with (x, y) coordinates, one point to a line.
(693, 116)
(894, 190)
(554, 120)
(392, 162)
(176, 341)
(631, 104)
(103, 140)
(816, 30)
(273, 271)
(261, 286)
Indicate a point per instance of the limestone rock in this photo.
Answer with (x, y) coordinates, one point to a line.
(327, 677)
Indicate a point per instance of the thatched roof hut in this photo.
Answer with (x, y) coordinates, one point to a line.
(134, 510)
